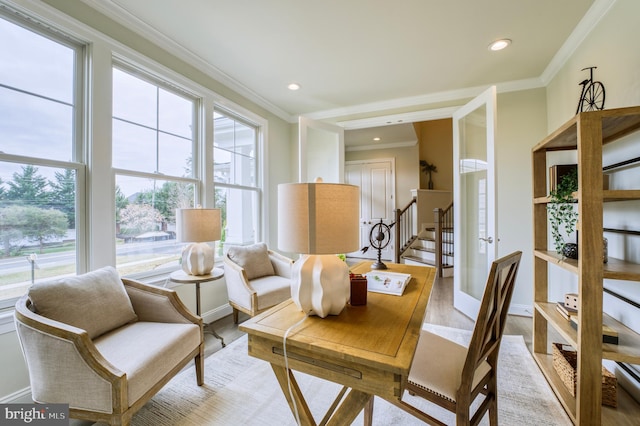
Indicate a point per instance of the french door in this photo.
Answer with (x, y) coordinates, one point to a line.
(474, 188)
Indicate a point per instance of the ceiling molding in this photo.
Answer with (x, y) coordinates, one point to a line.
(123, 17)
(596, 12)
(381, 146)
(389, 120)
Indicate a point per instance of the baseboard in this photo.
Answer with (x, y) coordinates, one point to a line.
(22, 396)
(521, 310)
(217, 313)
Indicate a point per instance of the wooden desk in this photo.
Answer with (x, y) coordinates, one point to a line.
(368, 349)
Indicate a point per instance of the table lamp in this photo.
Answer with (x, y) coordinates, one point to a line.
(319, 220)
(197, 226)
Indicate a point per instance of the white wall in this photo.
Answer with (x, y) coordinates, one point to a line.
(613, 47)
(521, 125)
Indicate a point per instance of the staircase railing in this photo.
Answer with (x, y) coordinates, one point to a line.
(405, 229)
(443, 220)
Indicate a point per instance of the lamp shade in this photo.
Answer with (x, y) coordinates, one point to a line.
(198, 225)
(318, 218)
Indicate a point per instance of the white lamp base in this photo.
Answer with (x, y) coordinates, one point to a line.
(197, 259)
(320, 284)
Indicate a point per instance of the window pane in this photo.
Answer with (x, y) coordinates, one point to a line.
(175, 155)
(152, 127)
(134, 147)
(221, 165)
(238, 215)
(134, 99)
(51, 138)
(145, 222)
(35, 64)
(37, 225)
(176, 114)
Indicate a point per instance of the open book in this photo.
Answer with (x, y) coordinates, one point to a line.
(387, 282)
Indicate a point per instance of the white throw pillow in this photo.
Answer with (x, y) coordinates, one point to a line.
(96, 302)
(254, 259)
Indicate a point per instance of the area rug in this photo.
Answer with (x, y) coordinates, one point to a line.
(242, 390)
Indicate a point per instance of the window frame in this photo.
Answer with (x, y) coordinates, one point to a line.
(260, 126)
(197, 146)
(78, 161)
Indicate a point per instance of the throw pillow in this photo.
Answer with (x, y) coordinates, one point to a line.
(96, 302)
(254, 259)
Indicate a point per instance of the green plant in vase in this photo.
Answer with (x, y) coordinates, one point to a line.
(428, 168)
(562, 214)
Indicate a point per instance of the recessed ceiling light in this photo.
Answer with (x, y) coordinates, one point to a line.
(499, 44)
(376, 139)
(293, 86)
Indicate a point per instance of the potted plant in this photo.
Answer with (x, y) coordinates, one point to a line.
(428, 169)
(562, 214)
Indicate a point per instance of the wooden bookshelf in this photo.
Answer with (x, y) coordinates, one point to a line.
(586, 133)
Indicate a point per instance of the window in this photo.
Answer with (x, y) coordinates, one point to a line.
(153, 156)
(238, 190)
(41, 166)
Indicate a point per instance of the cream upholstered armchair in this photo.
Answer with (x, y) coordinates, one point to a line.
(257, 278)
(104, 345)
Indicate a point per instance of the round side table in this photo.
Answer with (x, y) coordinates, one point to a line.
(182, 277)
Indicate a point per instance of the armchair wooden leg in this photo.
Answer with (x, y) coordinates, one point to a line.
(235, 316)
(199, 361)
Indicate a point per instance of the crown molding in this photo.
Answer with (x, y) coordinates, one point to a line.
(369, 147)
(123, 17)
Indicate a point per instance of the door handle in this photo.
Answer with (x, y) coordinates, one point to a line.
(486, 240)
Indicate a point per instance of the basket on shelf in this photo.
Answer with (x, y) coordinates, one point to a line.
(565, 363)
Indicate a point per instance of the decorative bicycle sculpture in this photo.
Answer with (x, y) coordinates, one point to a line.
(379, 238)
(592, 96)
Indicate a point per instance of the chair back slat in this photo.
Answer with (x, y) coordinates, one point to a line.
(489, 327)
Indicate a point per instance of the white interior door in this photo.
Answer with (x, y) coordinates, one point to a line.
(474, 187)
(321, 151)
(377, 201)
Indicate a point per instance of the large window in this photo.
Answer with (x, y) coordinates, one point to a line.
(41, 165)
(154, 142)
(237, 186)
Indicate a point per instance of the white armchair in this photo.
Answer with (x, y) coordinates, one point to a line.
(257, 278)
(104, 345)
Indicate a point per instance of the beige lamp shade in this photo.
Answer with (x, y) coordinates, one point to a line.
(318, 218)
(198, 225)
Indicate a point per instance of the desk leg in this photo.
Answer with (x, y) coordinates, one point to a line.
(349, 408)
(206, 328)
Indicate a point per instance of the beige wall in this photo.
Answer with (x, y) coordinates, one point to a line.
(521, 125)
(435, 139)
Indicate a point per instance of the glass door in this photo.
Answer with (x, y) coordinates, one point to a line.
(475, 245)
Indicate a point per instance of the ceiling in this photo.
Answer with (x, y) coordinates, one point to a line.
(360, 56)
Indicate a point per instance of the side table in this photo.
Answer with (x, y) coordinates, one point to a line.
(182, 277)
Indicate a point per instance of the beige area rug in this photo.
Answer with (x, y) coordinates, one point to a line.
(242, 390)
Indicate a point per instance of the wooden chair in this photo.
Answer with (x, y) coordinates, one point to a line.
(452, 376)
